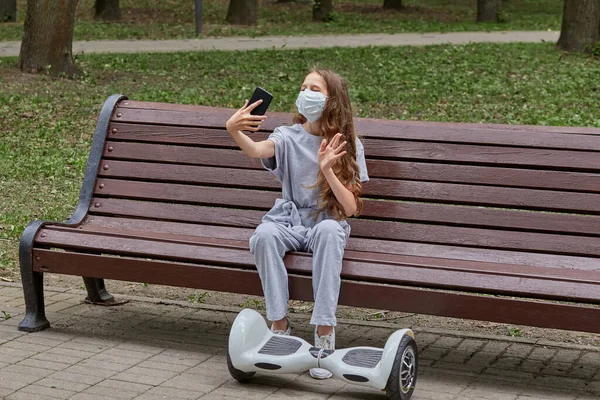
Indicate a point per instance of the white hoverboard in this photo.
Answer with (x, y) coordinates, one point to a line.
(253, 347)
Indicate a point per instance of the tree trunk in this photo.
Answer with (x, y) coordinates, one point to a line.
(393, 4)
(48, 37)
(488, 10)
(107, 10)
(242, 12)
(580, 29)
(322, 10)
(8, 11)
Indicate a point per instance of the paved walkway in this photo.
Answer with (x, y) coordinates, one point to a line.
(9, 49)
(152, 349)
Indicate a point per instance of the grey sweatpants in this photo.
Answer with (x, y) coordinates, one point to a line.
(326, 241)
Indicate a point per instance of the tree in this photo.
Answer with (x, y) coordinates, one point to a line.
(8, 10)
(488, 10)
(48, 37)
(242, 12)
(393, 4)
(322, 10)
(580, 29)
(107, 10)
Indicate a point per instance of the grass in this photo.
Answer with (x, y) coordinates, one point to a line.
(47, 123)
(167, 19)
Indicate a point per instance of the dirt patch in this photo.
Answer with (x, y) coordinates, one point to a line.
(361, 314)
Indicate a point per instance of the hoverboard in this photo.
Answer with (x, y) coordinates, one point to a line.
(254, 348)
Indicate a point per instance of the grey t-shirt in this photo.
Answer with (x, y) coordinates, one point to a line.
(296, 167)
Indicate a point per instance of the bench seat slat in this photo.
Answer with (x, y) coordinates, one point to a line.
(205, 156)
(389, 210)
(424, 233)
(360, 294)
(392, 189)
(110, 224)
(357, 266)
(353, 251)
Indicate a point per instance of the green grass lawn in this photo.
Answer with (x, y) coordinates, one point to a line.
(47, 123)
(166, 19)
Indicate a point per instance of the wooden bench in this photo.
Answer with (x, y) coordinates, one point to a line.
(487, 222)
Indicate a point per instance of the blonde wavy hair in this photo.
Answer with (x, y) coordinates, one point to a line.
(337, 117)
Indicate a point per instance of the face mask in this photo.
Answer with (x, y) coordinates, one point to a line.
(311, 104)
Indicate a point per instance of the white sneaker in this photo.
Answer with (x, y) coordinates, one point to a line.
(326, 342)
(286, 332)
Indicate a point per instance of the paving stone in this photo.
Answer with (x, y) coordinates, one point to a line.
(172, 393)
(140, 348)
(111, 358)
(456, 356)
(542, 354)
(518, 350)
(103, 365)
(487, 394)
(112, 392)
(73, 376)
(40, 340)
(582, 371)
(14, 381)
(54, 366)
(87, 347)
(286, 394)
(139, 355)
(532, 394)
(61, 306)
(36, 391)
(424, 339)
(191, 383)
(244, 392)
(12, 355)
(31, 348)
(5, 392)
(63, 351)
(433, 353)
(534, 366)
(91, 396)
(482, 359)
(557, 368)
(447, 342)
(53, 382)
(495, 347)
(163, 366)
(25, 370)
(509, 363)
(566, 356)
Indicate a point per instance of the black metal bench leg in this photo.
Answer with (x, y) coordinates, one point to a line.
(97, 293)
(33, 289)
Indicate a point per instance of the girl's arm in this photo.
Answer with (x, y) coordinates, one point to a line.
(243, 120)
(342, 194)
(328, 155)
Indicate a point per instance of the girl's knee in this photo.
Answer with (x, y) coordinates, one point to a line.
(265, 233)
(330, 228)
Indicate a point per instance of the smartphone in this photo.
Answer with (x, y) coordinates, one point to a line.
(260, 93)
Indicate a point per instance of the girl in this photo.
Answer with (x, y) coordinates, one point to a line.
(320, 163)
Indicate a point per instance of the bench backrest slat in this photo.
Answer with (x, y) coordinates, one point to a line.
(478, 187)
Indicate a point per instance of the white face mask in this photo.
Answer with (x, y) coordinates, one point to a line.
(311, 104)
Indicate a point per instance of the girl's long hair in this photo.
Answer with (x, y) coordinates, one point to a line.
(337, 117)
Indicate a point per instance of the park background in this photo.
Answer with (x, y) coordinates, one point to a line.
(47, 118)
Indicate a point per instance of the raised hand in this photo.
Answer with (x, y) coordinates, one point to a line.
(242, 120)
(330, 153)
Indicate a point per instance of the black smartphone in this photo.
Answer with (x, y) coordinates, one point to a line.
(260, 93)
